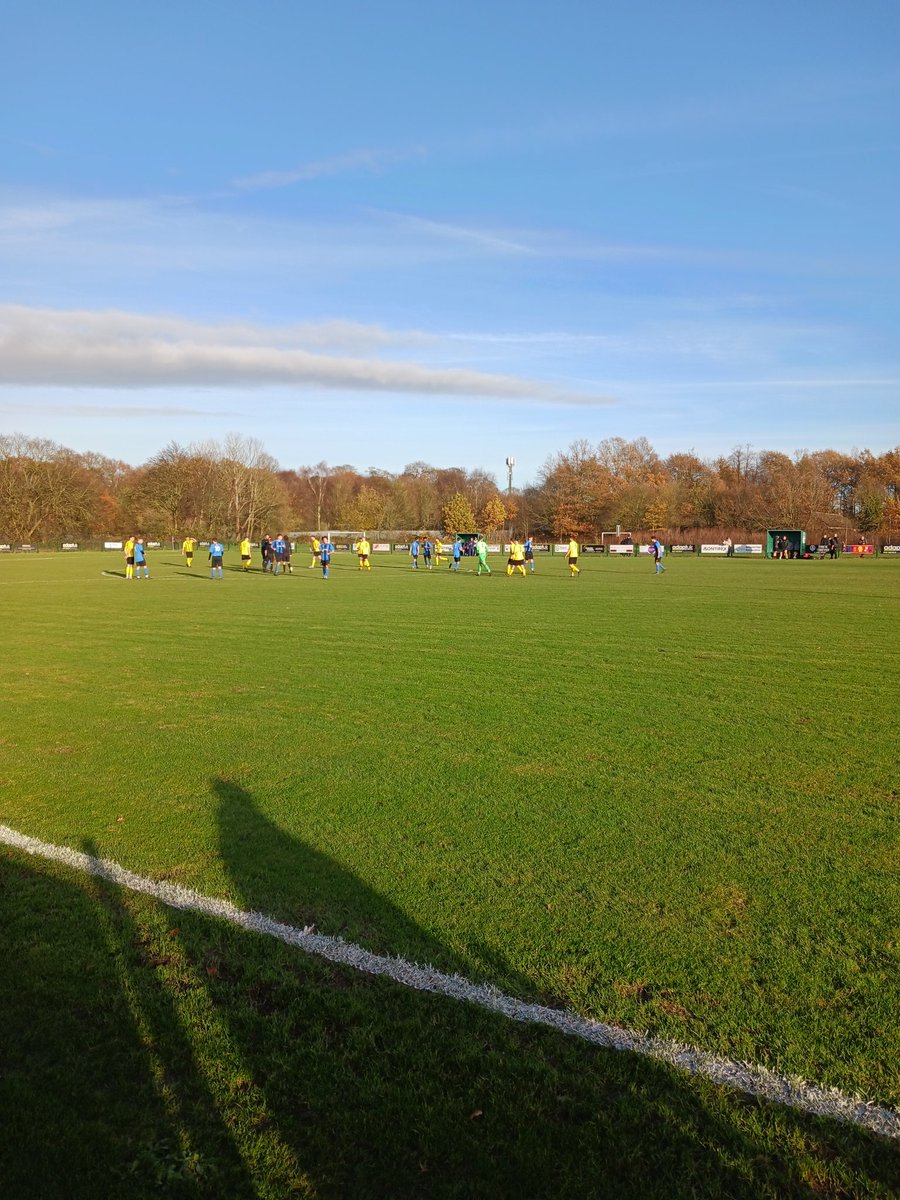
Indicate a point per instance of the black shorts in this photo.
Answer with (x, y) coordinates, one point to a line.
(129, 561)
(216, 560)
(363, 558)
(573, 562)
(529, 555)
(245, 558)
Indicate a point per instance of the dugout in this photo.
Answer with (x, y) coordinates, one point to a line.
(796, 541)
(468, 542)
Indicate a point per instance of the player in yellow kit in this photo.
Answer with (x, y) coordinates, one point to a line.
(363, 550)
(245, 554)
(516, 560)
(573, 557)
(438, 551)
(315, 546)
(187, 549)
(129, 558)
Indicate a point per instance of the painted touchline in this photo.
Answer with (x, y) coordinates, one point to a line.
(745, 1077)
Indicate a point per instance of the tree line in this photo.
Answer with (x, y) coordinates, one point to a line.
(232, 488)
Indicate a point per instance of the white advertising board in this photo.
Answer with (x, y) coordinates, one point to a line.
(748, 548)
(713, 548)
(381, 547)
(621, 549)
(113, 545)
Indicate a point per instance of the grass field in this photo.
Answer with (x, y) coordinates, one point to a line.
(667, 802)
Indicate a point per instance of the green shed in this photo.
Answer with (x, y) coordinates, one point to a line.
(796, 542)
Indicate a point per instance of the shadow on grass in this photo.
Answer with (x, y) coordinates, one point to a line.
(151, 1053)
(280, 874)
(100, 1091)
(412, 1077)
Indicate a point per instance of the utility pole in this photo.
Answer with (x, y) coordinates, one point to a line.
(510, 463)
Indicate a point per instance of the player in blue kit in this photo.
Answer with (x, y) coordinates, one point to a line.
(657, 551)
(278, 554)
(140, 560)
(457, 554)
(414, 553)
(216, 550)
(529, 552)
(426, 553)
(326, 549)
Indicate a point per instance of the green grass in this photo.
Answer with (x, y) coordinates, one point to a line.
(667, 802)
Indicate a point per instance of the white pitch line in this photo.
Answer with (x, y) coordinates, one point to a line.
(746, 1077)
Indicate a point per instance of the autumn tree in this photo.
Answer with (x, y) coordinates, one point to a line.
(493, 515)
(45, 492)
(366, 510)
(458, 516)
(169, 490)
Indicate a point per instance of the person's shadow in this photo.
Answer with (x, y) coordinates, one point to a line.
(146, 1052)
(101, 1090)
(278, 873)
(588, 1122)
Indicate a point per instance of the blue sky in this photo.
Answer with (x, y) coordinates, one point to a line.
(380, 234)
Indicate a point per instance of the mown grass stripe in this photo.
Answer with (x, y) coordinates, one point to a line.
(749, 1078)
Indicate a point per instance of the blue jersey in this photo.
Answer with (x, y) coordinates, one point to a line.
(529, 545)
(414, 549)
(426, 548)
(457, 549)
(139, 556)
(216, 549)
(325, 552)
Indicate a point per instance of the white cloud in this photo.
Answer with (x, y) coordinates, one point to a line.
(457, 233)
(117, 411)
(130, 350)
(368, 161)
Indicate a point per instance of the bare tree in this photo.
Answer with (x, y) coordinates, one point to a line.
(317, 479)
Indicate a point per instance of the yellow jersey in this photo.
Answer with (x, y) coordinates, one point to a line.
(187, 546)
(129, 548)
(245, 548)
(573, 549)
(363, 548)
(315, 545)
